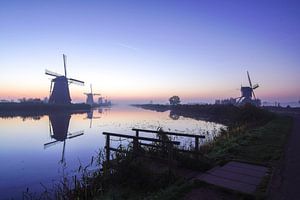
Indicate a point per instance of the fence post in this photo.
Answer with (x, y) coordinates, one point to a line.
(107, 146)
(137, 133)
(170, 156)
(197, 146)
(196, 143)
(135, 145)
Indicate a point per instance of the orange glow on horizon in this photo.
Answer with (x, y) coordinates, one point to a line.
(139, 94)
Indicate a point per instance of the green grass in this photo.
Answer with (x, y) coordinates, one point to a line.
(176, 191)
(261, 145)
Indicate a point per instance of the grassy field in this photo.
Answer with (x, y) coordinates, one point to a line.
(263, 144)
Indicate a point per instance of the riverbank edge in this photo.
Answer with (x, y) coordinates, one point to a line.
(39, 109)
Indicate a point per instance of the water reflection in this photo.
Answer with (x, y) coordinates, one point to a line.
(42, 149)
(173, 115)
(58, 128)
(90, 115)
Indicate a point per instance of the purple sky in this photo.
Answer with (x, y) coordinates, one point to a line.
(150, 50)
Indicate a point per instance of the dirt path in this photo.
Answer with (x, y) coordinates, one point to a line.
(285, 183)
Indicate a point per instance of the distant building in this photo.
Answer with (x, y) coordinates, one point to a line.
(104, 102)
(100, 100)
(4, 101)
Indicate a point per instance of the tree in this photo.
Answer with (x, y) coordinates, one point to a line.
(174, 100)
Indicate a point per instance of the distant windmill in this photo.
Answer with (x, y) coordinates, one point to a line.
(90, 97)
(60, 93)
(247, 92)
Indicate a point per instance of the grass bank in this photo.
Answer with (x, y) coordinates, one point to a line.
(262, 144)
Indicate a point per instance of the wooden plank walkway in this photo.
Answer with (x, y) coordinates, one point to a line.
(242, 177)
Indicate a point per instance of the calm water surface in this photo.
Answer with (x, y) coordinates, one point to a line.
(40, 151)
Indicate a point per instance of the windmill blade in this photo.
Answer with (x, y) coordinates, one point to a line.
(49, 144)
(50, 129)
(255, 86)
(51, 84)
(91, 88)
(63, 153)
(92, 118)
(240, 98)
(75, 134)
(253, 94)
(65, 65)
(249, 79)
(96, 117)
(78, 82)
(50, 73)
(97, 94)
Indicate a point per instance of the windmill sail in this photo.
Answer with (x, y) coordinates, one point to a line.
(249, 79)
(72, 80)
(65, 67)
(50, 73)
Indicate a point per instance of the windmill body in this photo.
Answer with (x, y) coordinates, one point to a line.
(246, 92)
(60, 94)
(89, 99)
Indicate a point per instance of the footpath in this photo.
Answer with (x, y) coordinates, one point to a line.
(285, 183)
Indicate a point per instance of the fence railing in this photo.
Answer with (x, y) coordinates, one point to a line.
(196, 137)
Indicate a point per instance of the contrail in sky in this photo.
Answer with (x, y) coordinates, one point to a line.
(127, 46)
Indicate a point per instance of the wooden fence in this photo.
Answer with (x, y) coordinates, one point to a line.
(138, 141)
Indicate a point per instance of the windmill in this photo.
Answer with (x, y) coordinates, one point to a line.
(58, 128)
(247, 92)
(90, 97)
(60, 93)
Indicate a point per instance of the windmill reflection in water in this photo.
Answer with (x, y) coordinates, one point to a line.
(58, 128)
(90, 115)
